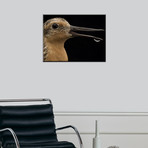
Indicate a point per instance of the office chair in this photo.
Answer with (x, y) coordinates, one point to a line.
(30, 126)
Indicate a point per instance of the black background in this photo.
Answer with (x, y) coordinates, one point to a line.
(82, 48)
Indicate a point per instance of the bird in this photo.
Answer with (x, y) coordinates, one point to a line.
(56, 31)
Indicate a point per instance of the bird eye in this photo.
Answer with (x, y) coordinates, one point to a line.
(55, 26)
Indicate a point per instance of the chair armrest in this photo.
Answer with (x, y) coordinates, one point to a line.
(13, 134)
(75, 129)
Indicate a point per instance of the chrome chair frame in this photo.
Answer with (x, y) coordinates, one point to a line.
(30, 100)
(13, 134)
(77, 132)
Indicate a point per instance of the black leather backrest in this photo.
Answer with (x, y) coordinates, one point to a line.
(32, 124)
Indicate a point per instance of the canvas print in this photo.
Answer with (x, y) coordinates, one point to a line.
(74, 38)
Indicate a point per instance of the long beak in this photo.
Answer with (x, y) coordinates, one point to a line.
(73, 30)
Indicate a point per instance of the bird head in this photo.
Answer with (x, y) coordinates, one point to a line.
(58, 29)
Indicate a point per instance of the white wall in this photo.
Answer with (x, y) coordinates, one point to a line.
(120, 84)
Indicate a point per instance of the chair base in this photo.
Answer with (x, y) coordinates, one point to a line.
(61, 144)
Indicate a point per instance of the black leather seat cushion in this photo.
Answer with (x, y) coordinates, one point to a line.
(34, 126)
